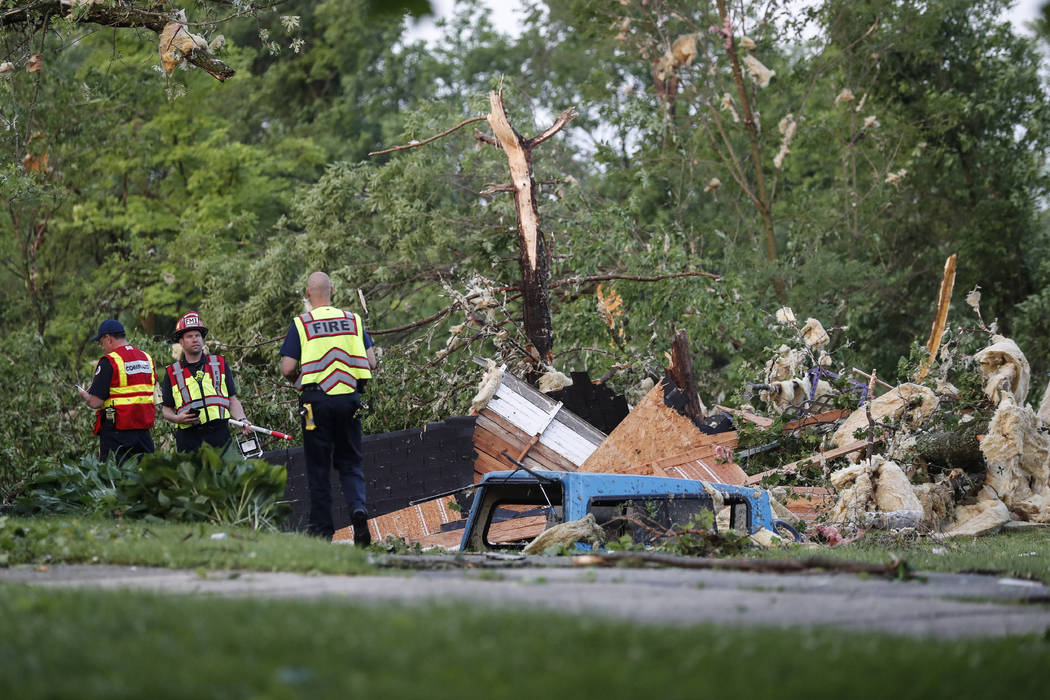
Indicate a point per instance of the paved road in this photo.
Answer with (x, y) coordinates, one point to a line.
(944, 605)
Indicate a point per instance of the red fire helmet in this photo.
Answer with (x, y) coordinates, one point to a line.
(190, 321)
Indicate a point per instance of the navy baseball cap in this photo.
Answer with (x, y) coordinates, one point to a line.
(110, 326)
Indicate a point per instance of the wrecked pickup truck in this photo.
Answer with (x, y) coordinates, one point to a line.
(511, 508)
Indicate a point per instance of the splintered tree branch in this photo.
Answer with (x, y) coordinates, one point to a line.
(559, 124)
(207, 62)
(533, 261)
(521, 174)
(152, 16)
(944, 298)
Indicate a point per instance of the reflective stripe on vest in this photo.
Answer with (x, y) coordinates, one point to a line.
(130, 390)
(209, 395)
(332, 351)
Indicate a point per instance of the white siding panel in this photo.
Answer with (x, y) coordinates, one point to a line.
(567, 443)
(525, 415)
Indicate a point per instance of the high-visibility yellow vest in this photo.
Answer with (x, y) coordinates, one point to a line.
(332, 351)
(130, 399)
(206, 392)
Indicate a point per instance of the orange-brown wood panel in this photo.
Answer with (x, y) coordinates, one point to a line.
(412, 523)
(652, 431)
(518, 529)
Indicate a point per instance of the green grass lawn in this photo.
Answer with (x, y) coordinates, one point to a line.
(1020, 553)
(100, 540)
(97, 644)
(82, 644)
(44, 540)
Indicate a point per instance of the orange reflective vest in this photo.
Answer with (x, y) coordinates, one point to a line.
(332, 350)
(130, 399)
(206, 392)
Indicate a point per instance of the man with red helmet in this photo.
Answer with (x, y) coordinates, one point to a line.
(121, 393)
(198, 393)
(329, 356)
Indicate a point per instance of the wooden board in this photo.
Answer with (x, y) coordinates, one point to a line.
(412, 523)
(529, 413)
(493, 434)
(651, 432)
(812, 459)
(808, 502)
(518, 529)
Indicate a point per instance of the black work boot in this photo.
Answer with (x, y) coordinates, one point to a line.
(362, 537)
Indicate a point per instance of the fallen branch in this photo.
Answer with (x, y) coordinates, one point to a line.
(896, 569)
(633, 278)
(560, 283)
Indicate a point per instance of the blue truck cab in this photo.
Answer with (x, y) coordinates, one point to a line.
(510, 508)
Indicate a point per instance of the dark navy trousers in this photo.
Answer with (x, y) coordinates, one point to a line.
(334, 443)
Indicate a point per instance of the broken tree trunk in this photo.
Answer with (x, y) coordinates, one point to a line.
(533, 258)
(680, 371)
(954, 449)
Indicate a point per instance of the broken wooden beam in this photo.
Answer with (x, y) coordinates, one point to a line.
(818, 458)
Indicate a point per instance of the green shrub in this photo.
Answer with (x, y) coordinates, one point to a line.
(202, 486)
(206, 485)
(89, 486)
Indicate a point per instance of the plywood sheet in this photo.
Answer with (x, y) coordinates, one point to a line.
(652, 431)
(708, 470)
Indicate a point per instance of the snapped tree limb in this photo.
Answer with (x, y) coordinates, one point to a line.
(154, 16)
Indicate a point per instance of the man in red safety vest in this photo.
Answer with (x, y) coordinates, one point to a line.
(329, 356)
(121, 393)
(198, 393)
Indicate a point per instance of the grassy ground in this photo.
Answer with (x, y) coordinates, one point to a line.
(1023, 553)
(96, 644)
(43, 540)
(80, 644)
(99, 540)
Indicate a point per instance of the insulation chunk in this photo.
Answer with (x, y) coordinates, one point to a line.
(1017, 455)
(985, 517)
(585, 529)
(1005, 370)
(910, 404)
(175, 42)
(875, 494)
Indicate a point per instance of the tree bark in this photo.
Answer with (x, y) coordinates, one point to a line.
(681, 373)
(954, 449)
(150, 15)
(533, 258)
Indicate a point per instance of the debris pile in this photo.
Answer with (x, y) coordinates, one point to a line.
(838, 451)
(899, 472)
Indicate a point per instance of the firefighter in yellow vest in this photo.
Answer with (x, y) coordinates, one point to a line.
(121, 393)
(329, 357)
(198, 393)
